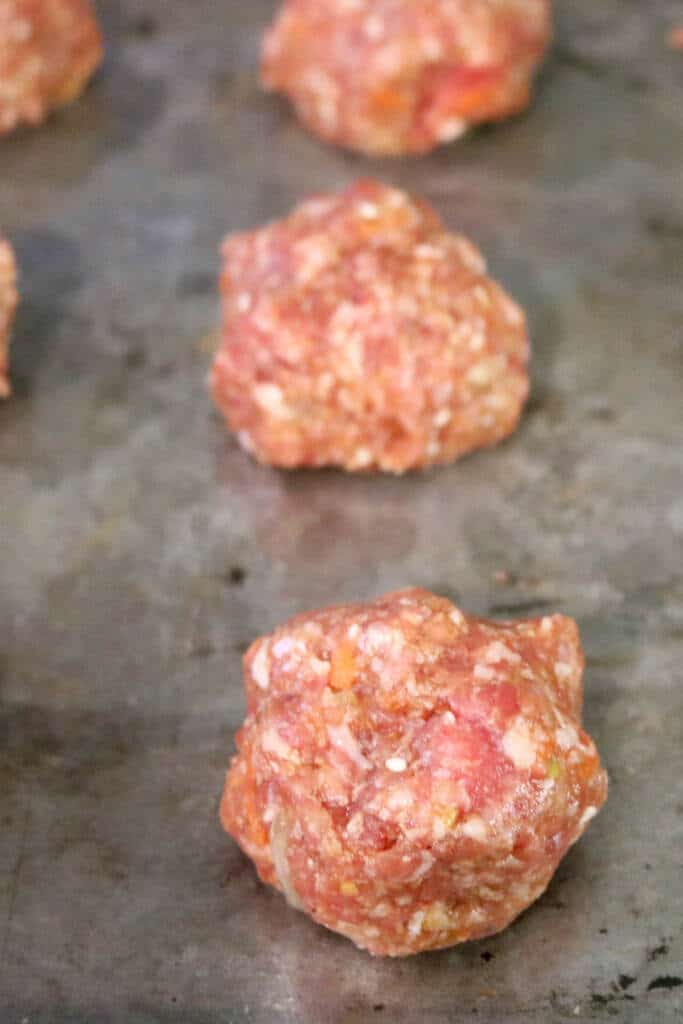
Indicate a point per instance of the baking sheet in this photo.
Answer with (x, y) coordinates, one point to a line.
(126, 510)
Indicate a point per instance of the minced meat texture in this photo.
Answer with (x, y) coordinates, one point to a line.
(411, 776)
(358, 332)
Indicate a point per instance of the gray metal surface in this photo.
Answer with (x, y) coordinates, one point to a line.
(125, 508)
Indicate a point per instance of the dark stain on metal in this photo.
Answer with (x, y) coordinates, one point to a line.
(521, 608)
(143, 26)
(665, 981)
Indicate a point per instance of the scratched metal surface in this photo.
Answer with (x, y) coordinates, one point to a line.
(140, 550)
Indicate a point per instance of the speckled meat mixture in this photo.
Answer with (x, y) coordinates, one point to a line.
(358, 332)
(400, 76)
(8, 303)
(48, 51)
(410, 776)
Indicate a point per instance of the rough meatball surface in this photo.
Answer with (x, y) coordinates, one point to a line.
(48, 51)
(359, 333)
(410, 776)
(8, 303)
(401, 76)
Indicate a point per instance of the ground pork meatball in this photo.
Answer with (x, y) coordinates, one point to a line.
(402, 76)
(358, 332)
(408, 775)
(8, 303)
(48, 51)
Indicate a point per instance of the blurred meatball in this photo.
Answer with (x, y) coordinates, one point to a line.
(48, 51)
(8, 303)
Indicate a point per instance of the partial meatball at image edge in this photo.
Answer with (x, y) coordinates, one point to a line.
(48, 54)
(408, 775)
(359, 332)
(9, 298)
(390, 79)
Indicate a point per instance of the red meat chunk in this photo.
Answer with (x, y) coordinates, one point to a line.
(48, 51)
(408, 775)
(401, 76)
(358, 332)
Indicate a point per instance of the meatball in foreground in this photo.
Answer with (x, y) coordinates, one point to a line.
(359, 333)
(8, 304)
(410, 776)
(403, 76)
(48, 51)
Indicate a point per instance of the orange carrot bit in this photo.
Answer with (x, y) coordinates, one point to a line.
(343, 668)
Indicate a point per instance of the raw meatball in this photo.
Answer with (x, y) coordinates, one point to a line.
(359, 333)
(675, 38)
(402, 76)
(8, 304)
(410, 776)
(48, 51)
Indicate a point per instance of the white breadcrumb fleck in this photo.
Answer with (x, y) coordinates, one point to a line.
(283, 646)
(566, 737)
(452, 129)
(396, 764)
(271, 398)
(245, 441)
(457, 617)
(442, 418)
(379, 639)
(425, 251)
(373, 26)
(362, 458)
(415, 923)
(260, 667)
(484, 672)
(475, 827)
(519, 745)
(563, 671)
(481, 374)
(368, 211)
(498, 651)
(471, 256)
(320, 667)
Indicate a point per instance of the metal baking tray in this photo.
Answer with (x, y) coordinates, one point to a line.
(141, 550)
